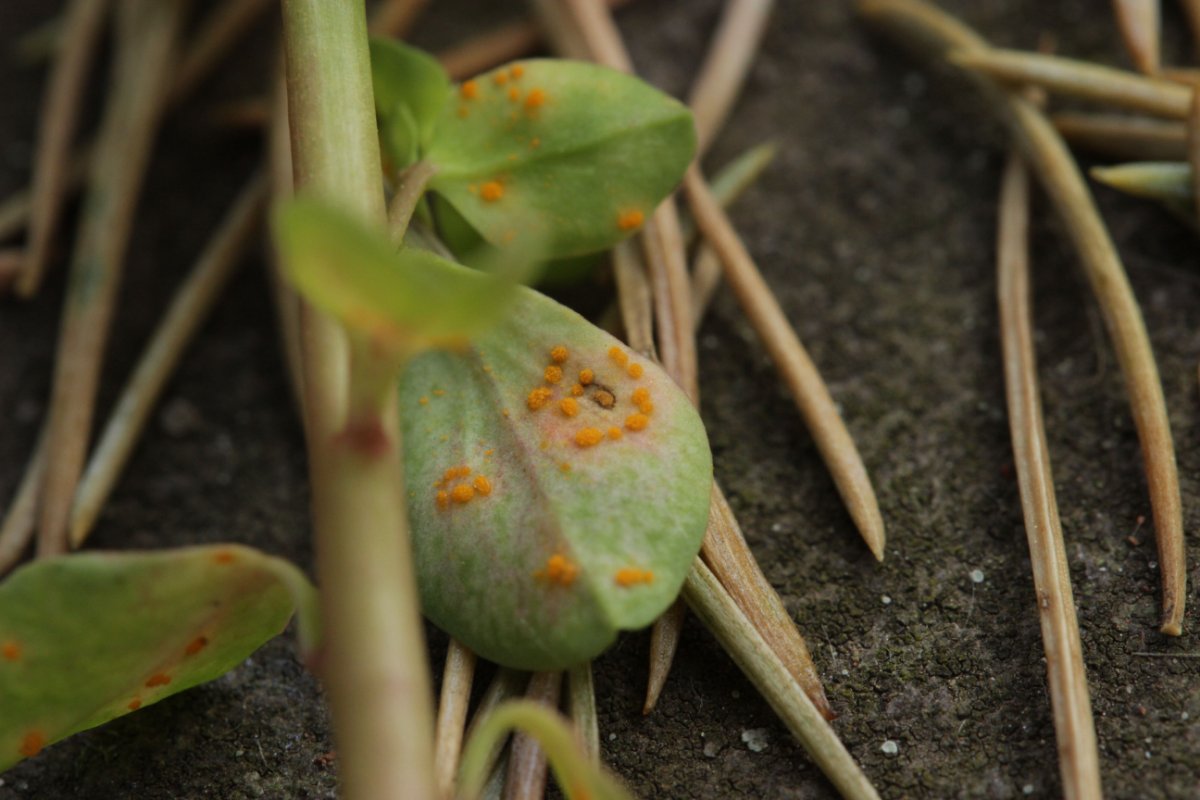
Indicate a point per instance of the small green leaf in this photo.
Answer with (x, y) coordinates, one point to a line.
(89, 637)
(405, 300)
(411, 89)
(1167, 182)
(556, 496)
(568, 153)
(578, 777)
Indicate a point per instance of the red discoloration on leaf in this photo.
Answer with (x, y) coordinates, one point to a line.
(10, 651)
(196, 645)
(158, 679)
(32, 743)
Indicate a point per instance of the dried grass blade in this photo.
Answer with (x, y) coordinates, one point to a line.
(726, 553)
(1191, 10)
(581, 703)
(1119, 136)
(634, 298)
(189, 308)
(726, 65)
(918, 23)
(148, 32)
(527, 768)
(457, 678)
(60, 114)
(793, 363)
(1140, 30)
(395, 18)
(764, 669)
(20, 521)
(1100, 84)
(1074, 728)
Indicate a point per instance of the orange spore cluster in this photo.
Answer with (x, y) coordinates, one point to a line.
(516, 72)
(637, 422)
(559, 354)
(618, 355)
(615, 433)
(632, 576)
(630, 220)
(635, 370)
(558, 570)
(158, 679)
(469, 90)
(577, 391)
(491, 191)
(196, 645)
(553, 374)
(588, 437)
(463, 493)
(586, 376)
(538, 398)
(514, 94)
(32, 743)
(134, 704)
(569, 406)
(224, 557)
(10, 651)
(535, 99)
(500, 78)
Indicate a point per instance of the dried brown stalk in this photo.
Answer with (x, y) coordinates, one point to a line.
(84, 22)
(20, 520)
(396, 17)
(762, 666)
(931, 30)
(1140, 29)
(190, 307)
(148, 32)
(726, 65)
(527, 768)
(792, 360)
(1078, 758)
(1124, 137)
(1080, 79)
(457, 678)
(581, 703)
(1191, 9)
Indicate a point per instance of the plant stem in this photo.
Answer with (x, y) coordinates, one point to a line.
(1122, 136)
(527, 767)
(374, 665)
(408, 194)
(581, 701)
(1140, 26)
(1079, 761)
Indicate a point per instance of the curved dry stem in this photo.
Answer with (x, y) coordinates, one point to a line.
(1140, 28)
(1079, 762)
(1124, 137)
(527, 767)
(457, 678)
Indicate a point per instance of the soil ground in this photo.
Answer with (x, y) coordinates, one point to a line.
(875, 225)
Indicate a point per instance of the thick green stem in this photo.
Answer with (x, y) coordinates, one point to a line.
(373, 664)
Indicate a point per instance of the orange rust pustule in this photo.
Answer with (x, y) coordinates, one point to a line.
(462, 494)
(618, 355)
(538, 398)
(569, 406)
(469, 90)
(588, 437)
(553, 374)
(491, 191)
(500, 78)
(482, 485)
(558, 570)
(630, 220)
(577, 390)
(586, 376)
(559, 354)
(134, 704)
(32, 743)
(632, 576)
(516, 71)
(11, 651)
(635, 370)
(637, 422)
(535, 99)
(514, 94)
(615, 433)
(224, 557)
(195, 646)
(443, 499)
(158, 679)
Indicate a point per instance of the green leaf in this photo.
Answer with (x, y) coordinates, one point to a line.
(568, 153)
(89, 637)
(1167, 182)
(582, 525)
(411, 89)
(404, 300)
(578, 777)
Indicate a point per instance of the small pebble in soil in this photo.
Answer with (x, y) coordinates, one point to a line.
(1027, 789)
(887, 601)
(612, 737)
(755, 739)
(976, 576)
(889, 748)
(180, 418)
(711, 749)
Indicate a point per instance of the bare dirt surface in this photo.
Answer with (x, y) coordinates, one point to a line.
(876, 227)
